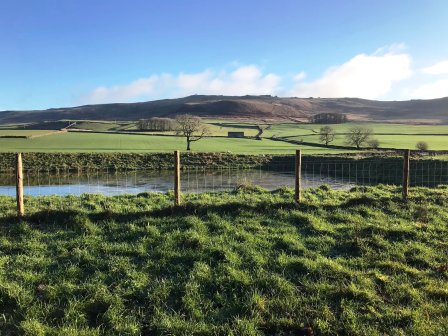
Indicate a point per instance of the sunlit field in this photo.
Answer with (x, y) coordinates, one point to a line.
(248, 262)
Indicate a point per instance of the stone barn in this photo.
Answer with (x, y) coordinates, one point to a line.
(235, 134)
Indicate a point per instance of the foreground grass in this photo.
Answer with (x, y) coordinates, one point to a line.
(245, 263)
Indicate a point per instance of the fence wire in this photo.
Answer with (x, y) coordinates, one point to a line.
(428, 173)
(340, 174)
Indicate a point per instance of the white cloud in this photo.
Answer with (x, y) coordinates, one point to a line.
(123, 93)
(384, 74)
(440, 68)
(432, 90)
(300, 76)
(363, 76)
(248, 79)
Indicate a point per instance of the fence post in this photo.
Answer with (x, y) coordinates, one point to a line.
(298, 175)
(19, 185)
(177, 177)
(406, 173)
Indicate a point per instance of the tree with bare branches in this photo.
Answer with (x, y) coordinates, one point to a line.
(357, 136)
(191, 127)
(422, 146)
(326, 134)
(374, 143)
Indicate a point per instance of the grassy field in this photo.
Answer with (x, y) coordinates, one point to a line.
(291, 129)
(389, 135)
(242, 263)
(435, 142)
(91, 142)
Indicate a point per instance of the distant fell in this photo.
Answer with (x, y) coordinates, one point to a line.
(433, 111)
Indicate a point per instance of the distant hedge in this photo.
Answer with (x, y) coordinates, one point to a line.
(379, 168)
(132, 161)
(153, 161)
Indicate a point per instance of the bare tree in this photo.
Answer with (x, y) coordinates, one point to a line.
(327, 134)
(358, 135)
(422, 145)
(191, 127)
(374, 143)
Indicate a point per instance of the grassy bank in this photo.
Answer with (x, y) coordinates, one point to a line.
(243, 263)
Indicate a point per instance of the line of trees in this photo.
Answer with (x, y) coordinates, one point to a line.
(329, 118)
(188, 126)
(157, 124)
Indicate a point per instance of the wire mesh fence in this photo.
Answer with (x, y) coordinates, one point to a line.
(341, 174)
(425, 173)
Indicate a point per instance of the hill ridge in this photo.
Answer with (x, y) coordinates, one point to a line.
(246, 107)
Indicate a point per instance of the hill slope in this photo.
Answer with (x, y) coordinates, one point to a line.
(246, 107)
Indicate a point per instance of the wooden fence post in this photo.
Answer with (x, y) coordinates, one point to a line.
(298, 175)
(19, 185)
(177, 177)
(406, 173)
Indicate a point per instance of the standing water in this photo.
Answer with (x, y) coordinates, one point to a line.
(195, 181)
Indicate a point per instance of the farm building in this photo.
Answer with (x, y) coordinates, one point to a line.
(235, 134)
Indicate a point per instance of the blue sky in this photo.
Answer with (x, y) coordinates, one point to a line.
(71, 52)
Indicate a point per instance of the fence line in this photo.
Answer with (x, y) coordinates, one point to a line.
(294, 171)
(406, 167)
(177, 177)
(298, 175)
(19, 185)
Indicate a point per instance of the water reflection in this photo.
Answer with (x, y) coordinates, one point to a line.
(199, 180)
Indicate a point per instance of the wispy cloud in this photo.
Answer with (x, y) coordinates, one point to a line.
(248, 79)
(364, 76)
(300, 76)
(385, 74)
(436, 89)
(430, 82)
(440, 68)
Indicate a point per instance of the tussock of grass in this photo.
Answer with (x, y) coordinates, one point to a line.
(250, 262)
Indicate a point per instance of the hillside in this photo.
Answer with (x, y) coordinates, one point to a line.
(246, 107)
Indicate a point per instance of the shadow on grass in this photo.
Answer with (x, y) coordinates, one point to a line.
(73, 218)
(69, 218)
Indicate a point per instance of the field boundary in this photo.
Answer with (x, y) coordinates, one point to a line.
(32, 136)
(47, 134)
(45, 161)
(390, 149)
(400, 170)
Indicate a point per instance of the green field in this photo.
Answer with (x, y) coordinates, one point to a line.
(291, 129)
(435, 142)
(91, 142)
(242, 263)
(390, 136)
